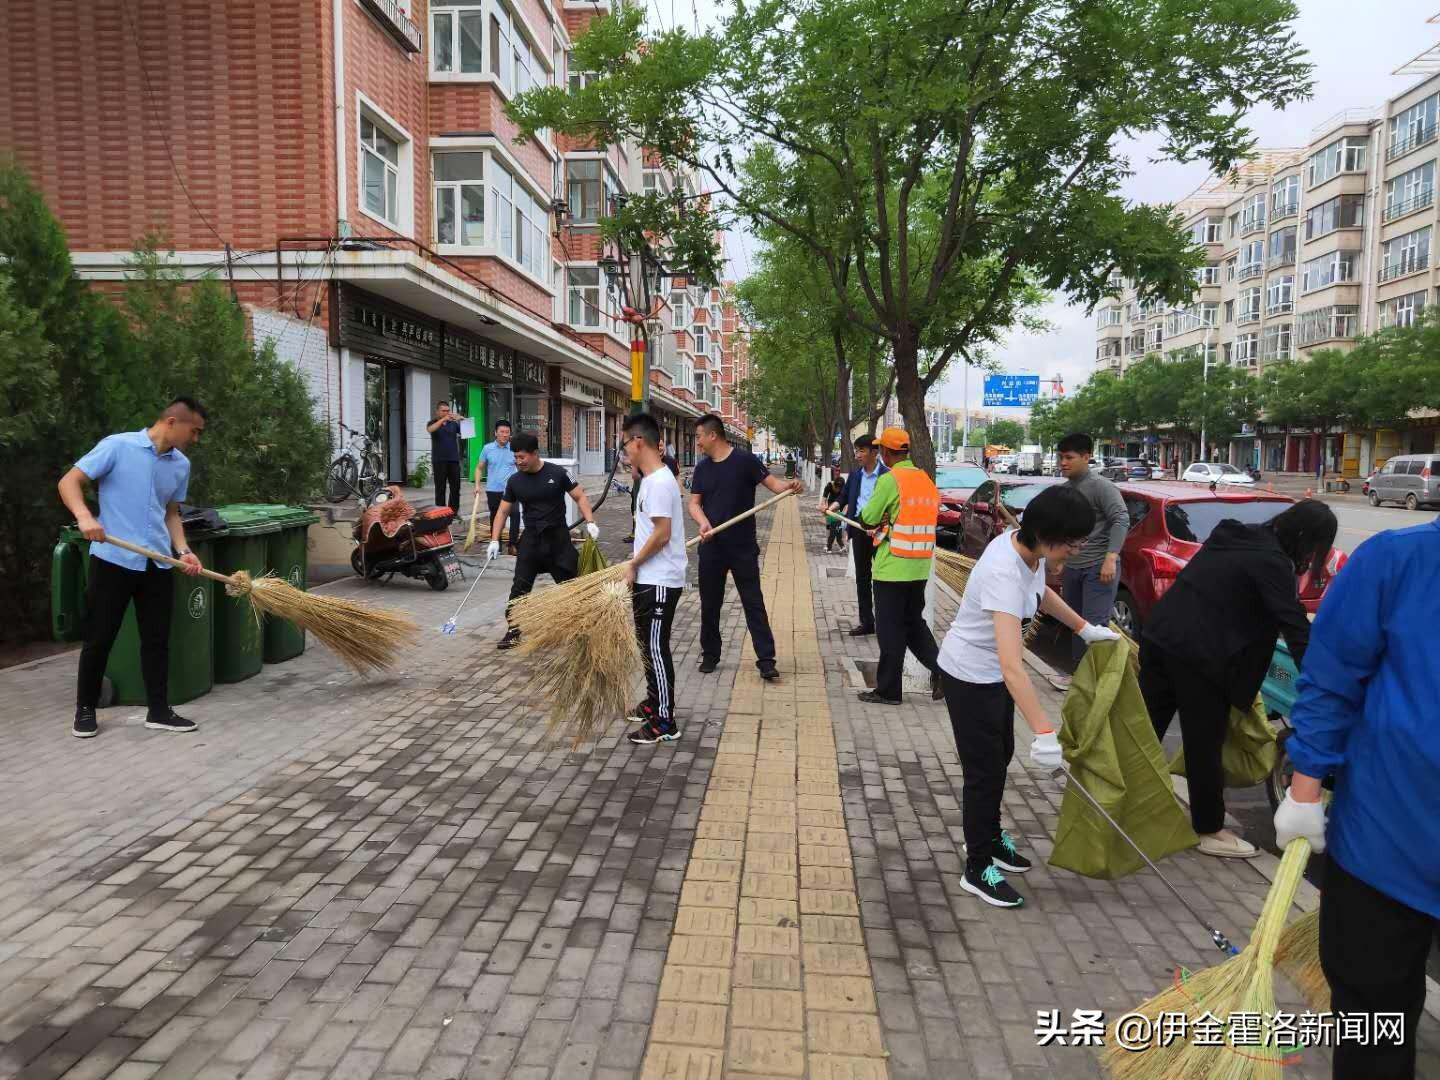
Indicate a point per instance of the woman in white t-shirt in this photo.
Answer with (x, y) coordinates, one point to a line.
(985, 678)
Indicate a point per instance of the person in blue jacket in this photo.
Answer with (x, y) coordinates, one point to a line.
(1366, 711)
(859, 486)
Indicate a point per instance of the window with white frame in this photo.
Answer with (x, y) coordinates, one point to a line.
(1234, 221)
(1341, 155)
(1326, 324)
(1249, 305)
(1252, 213)
(457, 37)
(1402, 310)
(532, 233)
(1208, 274)
(699, 385)
(1230, 265)
(1275, 345)
(1209, 314)
(583, 291)
(1280, 295)
(1109, 316)
(586, 186)
(699, 335)
(1405, 254)
(1157, 335)
(1410, 190)
(460, 198)
(1285, 196)
(1413, 127)
(512, 60)
(1331, 269)
(1341, 212)
(379, 172)
(502, 211)
(1281, 246)
(1252, 257)
(1247, 349)
(679, 309)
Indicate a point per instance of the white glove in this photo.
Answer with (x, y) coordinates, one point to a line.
(1045, 751)
(1296, 819)
(492, 550)
(1090, 634)
(593, 530)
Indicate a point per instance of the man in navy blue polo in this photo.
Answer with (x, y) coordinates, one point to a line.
(141, 478)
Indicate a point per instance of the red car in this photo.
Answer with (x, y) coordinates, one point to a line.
(981, 521)
(956, 482)
(1168, 523)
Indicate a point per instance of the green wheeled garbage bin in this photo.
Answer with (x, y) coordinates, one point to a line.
(192, 634)
(69, 574)
(289, 556)
(239, 636)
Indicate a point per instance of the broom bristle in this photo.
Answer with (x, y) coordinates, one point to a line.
(365, 638)
(1298, 958)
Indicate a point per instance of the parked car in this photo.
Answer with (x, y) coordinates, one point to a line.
(1203, 472)
(1157, 473)
(1137, 469)
(1168, 523)
(1050, 466)
(956, 483)
(981, 520)
(1112, 468)
(1004, 464)
(1412, 479)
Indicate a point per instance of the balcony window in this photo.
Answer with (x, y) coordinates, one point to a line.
(1247, 349)
(1280, 250)
(1342, 155)
(1208, 231)
(1249, 310)
(532, 233)
(457, 32)
(1413, 128)
(1234, 221)
(1230, 264)
(1284, 197)
(679, 310)
(1341, 212)
(1252, 260)
(460, 198)
(583, 287)
(379, 173)
(1280, 295)
(1252, 214)
(1402, 310)
(1208, 274)
(1331, 269)
(1229, 311)
(1410, 191)
(1327, 324)
(1405, 254)
(699, 334)
(585, 191)
(1275, 345)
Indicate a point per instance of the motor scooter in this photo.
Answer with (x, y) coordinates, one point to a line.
(391, 538)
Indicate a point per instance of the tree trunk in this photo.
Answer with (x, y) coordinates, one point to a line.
(842, 404)
(911, 396)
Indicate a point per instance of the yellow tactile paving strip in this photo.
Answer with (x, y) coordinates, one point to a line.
(767, 974)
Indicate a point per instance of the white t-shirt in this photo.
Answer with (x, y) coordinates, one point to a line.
(660, 498)
(1000, 581)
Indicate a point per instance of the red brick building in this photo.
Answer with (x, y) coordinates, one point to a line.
(348, 165)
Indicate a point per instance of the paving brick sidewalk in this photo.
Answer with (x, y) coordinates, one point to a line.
(336, 877)
(960, 983)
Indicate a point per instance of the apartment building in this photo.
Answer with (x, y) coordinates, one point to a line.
(348, 166)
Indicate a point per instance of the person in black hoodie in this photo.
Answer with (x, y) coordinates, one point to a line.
(1209, 640)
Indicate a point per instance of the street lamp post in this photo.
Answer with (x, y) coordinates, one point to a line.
(1204, 386)
(640, 276)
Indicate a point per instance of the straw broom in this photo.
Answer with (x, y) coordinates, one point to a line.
(1242, 984)
(1298, 958)
(582, 636)
(365, 638)
(474, 517)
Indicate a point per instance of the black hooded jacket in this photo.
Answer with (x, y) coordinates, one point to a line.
(1225, 609)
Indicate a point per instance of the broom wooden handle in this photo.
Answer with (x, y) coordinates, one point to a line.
(741, 517)
(157, 557)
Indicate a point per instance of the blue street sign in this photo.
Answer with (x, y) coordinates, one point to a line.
(1011, 391)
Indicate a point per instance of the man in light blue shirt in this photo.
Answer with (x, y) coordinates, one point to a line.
(859, 486)
(494, 469)
(141, 478)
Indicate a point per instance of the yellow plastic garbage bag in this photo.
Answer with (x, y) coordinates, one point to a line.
(1249, 752)
(1110, 748)
(591, 558)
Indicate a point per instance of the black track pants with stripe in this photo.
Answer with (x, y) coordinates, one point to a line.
(654, 614)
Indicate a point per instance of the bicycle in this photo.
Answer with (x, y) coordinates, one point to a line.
(356, 472)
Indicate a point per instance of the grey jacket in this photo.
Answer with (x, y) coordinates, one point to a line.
(1112, 520)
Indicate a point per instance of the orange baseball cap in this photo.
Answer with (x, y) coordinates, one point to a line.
(894, 438)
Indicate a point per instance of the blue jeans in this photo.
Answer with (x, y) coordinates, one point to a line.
(1091, 599)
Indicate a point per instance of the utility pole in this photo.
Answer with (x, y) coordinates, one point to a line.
(1204, 387)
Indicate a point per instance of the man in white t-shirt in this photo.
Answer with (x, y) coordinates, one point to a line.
(656, 571)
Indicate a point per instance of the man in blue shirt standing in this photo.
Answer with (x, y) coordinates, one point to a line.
(858, 488)
(1365, 712)
(445, 443)
(494, 469)
(141, 478)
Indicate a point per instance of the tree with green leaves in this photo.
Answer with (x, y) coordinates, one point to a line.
(958, 158)
(1006, 433)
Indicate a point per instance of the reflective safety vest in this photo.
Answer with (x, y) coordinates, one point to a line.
(912, 533)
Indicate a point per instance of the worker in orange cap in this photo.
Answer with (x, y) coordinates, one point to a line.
(902, 512)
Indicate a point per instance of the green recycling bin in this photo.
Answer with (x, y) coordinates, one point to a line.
(289, 556)
(69, 573)
(239, 636)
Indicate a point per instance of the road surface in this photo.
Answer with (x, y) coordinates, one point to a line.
(1359, 520)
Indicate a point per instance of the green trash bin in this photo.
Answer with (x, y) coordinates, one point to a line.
(239, 637)
(69, 570)
(192, 634)
(289, 556)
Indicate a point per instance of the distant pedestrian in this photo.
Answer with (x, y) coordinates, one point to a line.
(141, 478)
(494, 469)
(904, 509)
(445, 444)
(859, 487)
(1092, 575)
(656, 571)
(722, 487)
(833, 495)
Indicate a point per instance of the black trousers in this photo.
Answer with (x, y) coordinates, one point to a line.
(744, 567)
(1373, 949)
(654, 607)
(1168, 684)
(543, 551)
(982, 715)
(108, 595)
(900, 625)
(494, 498)
(447, 476)
(864, 549)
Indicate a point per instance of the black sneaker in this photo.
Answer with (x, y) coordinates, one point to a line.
(992, 887)
(654, 731)
(641, 714)
(708, 664)
(769, 672)
(172, 722)
(1004, 854)
(85, 726)
(509, 641)
(861, 631)
(870, 697)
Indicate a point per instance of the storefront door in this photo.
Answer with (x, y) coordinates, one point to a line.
(589, 439)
